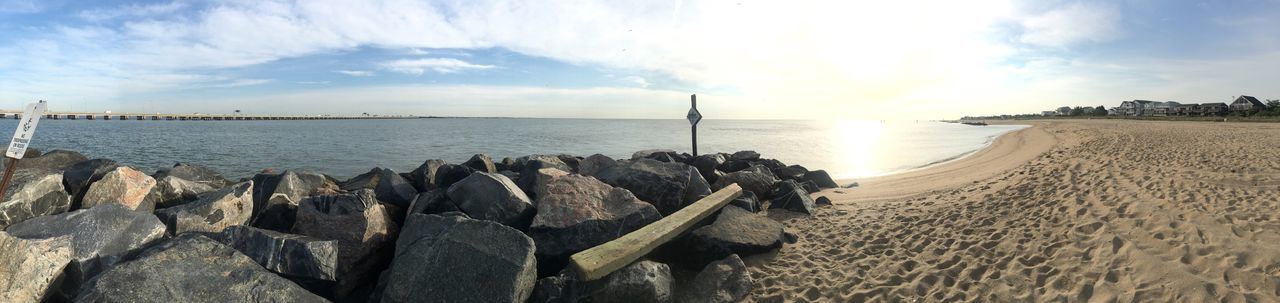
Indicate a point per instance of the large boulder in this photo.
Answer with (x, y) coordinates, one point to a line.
(276, 196)
(793, 172)
(192, 268)
(645, 154)
(535, 174)
(56, 160)
(757, 179)
(173, 191)
(724, 281)
(290, 255)
(492, 197)
(455, 259)
(595, 163)
(78, 176)
(212, 212)
(791, 196)
(745, 155)
(29, 269)
(100, 237)
(423, 178)
(641, 282)
(481, 162)
(707, 165)
(386, 184)
(668, 186)
(448, 174)
(122, 185)
(522, 163)
(747, 201)
(432, 202)
(33, 193)
(195, 173)
(821, 178)
(579, 212)
(735, 231)
(362, 226)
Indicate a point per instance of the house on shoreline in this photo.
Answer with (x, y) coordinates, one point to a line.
(1245, 105)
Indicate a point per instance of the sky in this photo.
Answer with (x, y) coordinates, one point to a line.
(800, 59)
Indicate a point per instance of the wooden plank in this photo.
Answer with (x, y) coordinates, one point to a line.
(599, 261)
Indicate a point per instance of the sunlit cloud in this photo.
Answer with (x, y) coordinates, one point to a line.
(439, 65)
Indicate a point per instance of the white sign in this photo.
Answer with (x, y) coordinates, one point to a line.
(26, 128)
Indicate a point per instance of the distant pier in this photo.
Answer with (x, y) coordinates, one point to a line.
(191, 117)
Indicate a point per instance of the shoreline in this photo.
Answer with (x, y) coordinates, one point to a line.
(956, 157)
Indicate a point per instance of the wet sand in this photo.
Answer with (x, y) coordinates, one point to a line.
(1075, 211)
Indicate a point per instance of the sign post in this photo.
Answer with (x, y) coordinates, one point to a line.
(694, 117)
(21, 138)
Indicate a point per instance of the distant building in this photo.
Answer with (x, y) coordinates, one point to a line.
(1048, 113)
(1136, 108)
(1191, 109)
(1245, 105)
(1213, 109)
(1064, 111)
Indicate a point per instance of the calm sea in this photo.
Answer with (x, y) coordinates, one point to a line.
(345, 148)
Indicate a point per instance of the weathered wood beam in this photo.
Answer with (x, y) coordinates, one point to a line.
(599, 261)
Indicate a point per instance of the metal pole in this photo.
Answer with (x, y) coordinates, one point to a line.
(8, 174)
(693, 101)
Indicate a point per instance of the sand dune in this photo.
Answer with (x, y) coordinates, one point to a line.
(1066, 211)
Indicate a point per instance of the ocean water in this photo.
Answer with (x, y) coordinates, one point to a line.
(345, 148)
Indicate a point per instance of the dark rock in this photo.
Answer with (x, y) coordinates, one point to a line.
(30, 153)
(746, 155)
(809, 186)
(572, 161)
(30, 269)
(735, 231)
(821, 178)
(644, 154)
(449, 174)
(772, 164)
(173, 191)
(595, 163)
(536, 171)
(286, 254)
(362, 226)
(212, 212)
(724, 281)
(99, 236)
(579, 212)
(432, 202)
(793, 172)
(553, 289)
(78, 176)
(551, 161)
(386, 184)
(757, 179)
(510, 175)
(195, 173)
(122, 185)
(505, 164)
(747, 201)
(56, 160)
(492, 197)
(276, 196)
(707, 165)
(454, 259)
(641, 282)
(33, 193)
(662, 157)
(823, 200)
(734, 166)
(481, 162)
(169, 272)
(668, 186)
(791, 196)
(423, 178)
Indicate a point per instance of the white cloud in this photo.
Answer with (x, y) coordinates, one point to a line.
(1073, 24)
(242, 82)
(636, 80)
(439, 65)
(132, 10)
(355, 73)
(19, 6)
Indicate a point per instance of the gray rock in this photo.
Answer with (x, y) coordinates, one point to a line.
(793, 172)
(454, 259)
(536, 171)
(821, 178)
(55, 160)
(30, 153)
(77, 177)
(432, 202)
(195, 173)
(668, 186)
(747, 201)
(212, 212)
(536, 181)
(553, 289)
(33, 193)
(641, 282)
(100, 237)
(791, 196)
(644, 154)
(423, 178)
(173, 191)
(481, 162)
(756, 179)
(30, 268)
(449, 174)
(809, 186)
(492, 197)
(735, 231)
(286, 254)
(362, 226)
(169, 272)
(386, 184)
(122, 185)
(521, 163)
(822, 200)
(579, 212)
(276, 196)
(707, 165)
(724, 281)
(746, 155)
(595, 163)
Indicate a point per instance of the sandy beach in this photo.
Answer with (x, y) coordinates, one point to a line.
(1064, 211)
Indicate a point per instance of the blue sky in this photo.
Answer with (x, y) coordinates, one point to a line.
(633, 59)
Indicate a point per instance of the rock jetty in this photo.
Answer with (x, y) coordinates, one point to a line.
(76, 229)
